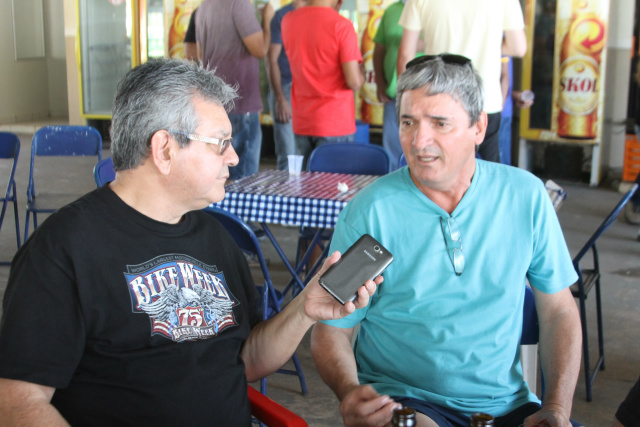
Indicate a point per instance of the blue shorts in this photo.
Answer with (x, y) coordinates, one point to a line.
(448, 418)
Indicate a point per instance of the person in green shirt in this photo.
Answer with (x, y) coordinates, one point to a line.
(385, 55)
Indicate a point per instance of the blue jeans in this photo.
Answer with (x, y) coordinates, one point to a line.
(282, 132)
(490, 148)
(504, 138)
(247, 141)
(306, 143)
(390, 133)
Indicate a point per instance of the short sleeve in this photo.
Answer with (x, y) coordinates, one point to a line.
(410, 18)
(276, 29)
(380, 36)
(551, 268)
(349, 50)
(244, 19)
(42, 336)
(513, 17)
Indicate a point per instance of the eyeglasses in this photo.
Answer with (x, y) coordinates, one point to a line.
(447, 58)
(452, 239)
(223, 143)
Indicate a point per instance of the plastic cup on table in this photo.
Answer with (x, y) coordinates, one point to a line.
(295, 163)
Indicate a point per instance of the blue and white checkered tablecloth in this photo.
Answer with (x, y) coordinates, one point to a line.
(311, 199)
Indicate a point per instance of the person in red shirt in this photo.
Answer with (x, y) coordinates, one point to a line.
(322, 47)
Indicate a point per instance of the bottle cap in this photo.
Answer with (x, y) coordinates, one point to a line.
(404, 417)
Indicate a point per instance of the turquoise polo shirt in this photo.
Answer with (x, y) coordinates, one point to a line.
(446, 339)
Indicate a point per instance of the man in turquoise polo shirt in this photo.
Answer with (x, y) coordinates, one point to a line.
(442, 334)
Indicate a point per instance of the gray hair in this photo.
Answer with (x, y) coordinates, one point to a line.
(159, 95)
(462, 82)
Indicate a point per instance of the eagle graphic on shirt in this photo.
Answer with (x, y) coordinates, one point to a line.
(185, 299)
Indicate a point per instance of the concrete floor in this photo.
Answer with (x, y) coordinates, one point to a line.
(580, 215)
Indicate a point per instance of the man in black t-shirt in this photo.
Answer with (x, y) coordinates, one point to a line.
(131, 306)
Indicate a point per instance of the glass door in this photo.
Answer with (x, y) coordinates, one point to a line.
(106, 29)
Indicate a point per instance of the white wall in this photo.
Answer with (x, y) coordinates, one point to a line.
(33, 88)
(56, 65)
(619, 43)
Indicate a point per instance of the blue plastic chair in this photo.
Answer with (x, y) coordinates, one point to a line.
(10, 149)
(271, 299)
(362, 132)
(58, 141)
(589, 278)
(359, 159)
(103, 172)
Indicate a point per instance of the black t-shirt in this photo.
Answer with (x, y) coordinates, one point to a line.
(133, 321)
(628, 412)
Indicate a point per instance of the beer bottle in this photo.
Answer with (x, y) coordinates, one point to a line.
(580, 72)
(480, 419)
(403, 417)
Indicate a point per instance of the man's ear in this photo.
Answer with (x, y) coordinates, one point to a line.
(481, 128)
(338, 5)
(162, 146)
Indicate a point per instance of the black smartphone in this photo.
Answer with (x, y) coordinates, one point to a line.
(363, 261)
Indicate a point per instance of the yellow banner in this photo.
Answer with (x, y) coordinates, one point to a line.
(565, 66)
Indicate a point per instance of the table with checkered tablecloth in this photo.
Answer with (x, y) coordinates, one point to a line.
(311, 199)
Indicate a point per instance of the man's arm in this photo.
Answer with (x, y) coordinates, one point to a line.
(353, 74)
(258, 43)
(407, 49)
(378, 70)
(283, 109)
(272, 342)
(359, 405)
(27, 404)
(560, 343)
(514, 43)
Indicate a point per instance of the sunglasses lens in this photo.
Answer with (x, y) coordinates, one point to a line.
(447, 58)
(454, 231)
(458, 261)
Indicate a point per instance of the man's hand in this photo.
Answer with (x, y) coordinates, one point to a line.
(362, 406)
(382, 94)
(320, 305)
(283, 110)
(516, 95)
(548, 416)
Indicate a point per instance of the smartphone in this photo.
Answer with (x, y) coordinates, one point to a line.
(363, 261)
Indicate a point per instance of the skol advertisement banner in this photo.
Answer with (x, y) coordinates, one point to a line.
(177, 14)
(368, 108)
(571, 81)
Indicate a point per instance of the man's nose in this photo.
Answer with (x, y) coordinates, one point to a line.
(231, 157)
(423, 135)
